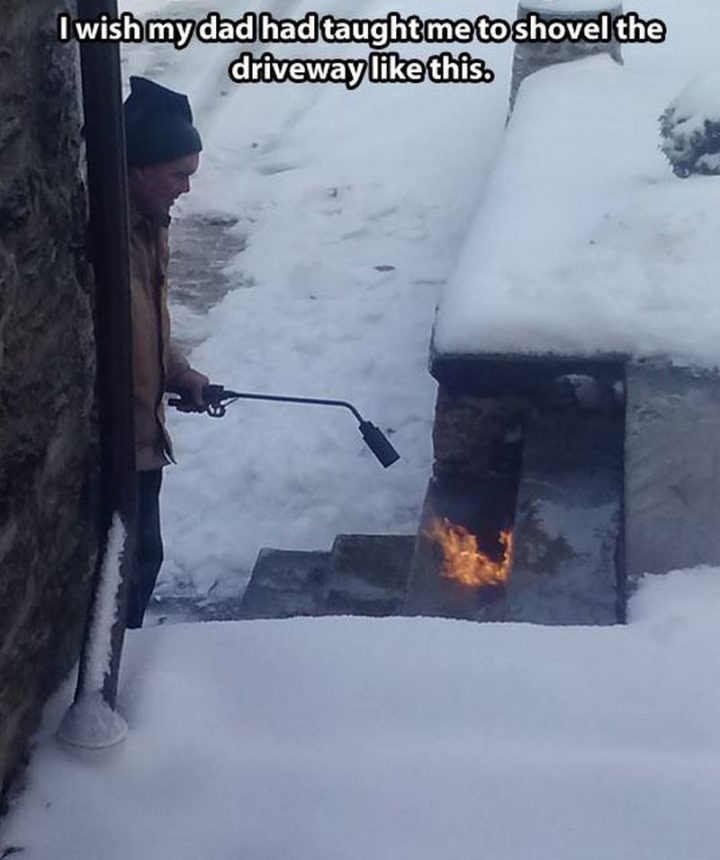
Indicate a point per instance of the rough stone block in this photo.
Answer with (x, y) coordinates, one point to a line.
(285, 583)
(368, 574)
(473, 437)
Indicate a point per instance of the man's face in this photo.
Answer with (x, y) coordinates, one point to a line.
(154, 189)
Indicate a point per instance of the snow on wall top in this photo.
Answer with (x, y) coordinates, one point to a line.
(568, 7)
(586, 243)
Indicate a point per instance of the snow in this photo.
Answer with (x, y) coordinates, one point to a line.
(570, 7)
(423, 738)
(99, 648)
(700, 98)
(90, 722)
(607, 234)
(691, 127)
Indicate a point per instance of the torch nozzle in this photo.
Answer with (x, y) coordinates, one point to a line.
(378, 443)
(217, 397)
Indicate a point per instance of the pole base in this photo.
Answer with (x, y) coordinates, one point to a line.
(90, 723)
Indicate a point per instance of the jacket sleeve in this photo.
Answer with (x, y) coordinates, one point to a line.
(177, 363)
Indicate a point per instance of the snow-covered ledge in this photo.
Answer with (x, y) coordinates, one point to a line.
(586, 246)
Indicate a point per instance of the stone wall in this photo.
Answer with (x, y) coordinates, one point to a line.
(476, 438)
(48, 452)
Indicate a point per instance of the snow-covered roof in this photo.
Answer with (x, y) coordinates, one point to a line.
(586, 243)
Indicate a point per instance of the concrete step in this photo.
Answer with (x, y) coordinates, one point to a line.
(285, 583)
(484, 507)
(361, 575)
(568, 523)
(368, 574)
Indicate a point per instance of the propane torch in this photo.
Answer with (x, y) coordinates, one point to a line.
(217, 398)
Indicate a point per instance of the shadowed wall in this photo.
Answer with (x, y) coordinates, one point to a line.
(48, 451)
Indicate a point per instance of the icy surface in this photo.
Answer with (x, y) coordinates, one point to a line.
(405, 738)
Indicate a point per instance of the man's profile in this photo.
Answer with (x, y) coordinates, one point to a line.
(163, 152)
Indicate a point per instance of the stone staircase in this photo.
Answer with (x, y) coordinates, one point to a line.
(360, 575)
(606, 489)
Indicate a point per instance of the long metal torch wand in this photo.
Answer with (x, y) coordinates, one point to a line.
(217, 397)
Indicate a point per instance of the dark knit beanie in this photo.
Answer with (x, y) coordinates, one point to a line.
(158, 125)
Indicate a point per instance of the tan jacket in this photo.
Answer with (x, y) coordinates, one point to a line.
(156, 361)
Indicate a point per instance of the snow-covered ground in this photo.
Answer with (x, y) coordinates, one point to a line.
(357, 739)
(349, 738)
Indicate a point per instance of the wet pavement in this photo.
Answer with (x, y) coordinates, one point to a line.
(201, 246)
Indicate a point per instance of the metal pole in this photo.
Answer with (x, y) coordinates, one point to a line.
(92, 720)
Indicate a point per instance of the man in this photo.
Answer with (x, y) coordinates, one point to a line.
(163, 150)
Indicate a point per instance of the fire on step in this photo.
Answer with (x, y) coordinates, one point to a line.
(462, 558)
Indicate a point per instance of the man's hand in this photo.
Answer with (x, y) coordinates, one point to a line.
(189, 385)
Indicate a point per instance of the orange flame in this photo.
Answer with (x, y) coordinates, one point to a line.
(464, 561)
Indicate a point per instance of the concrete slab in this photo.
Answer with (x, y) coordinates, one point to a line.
(672, 469)
(568, 522)
(368, 574)
(285, 583)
